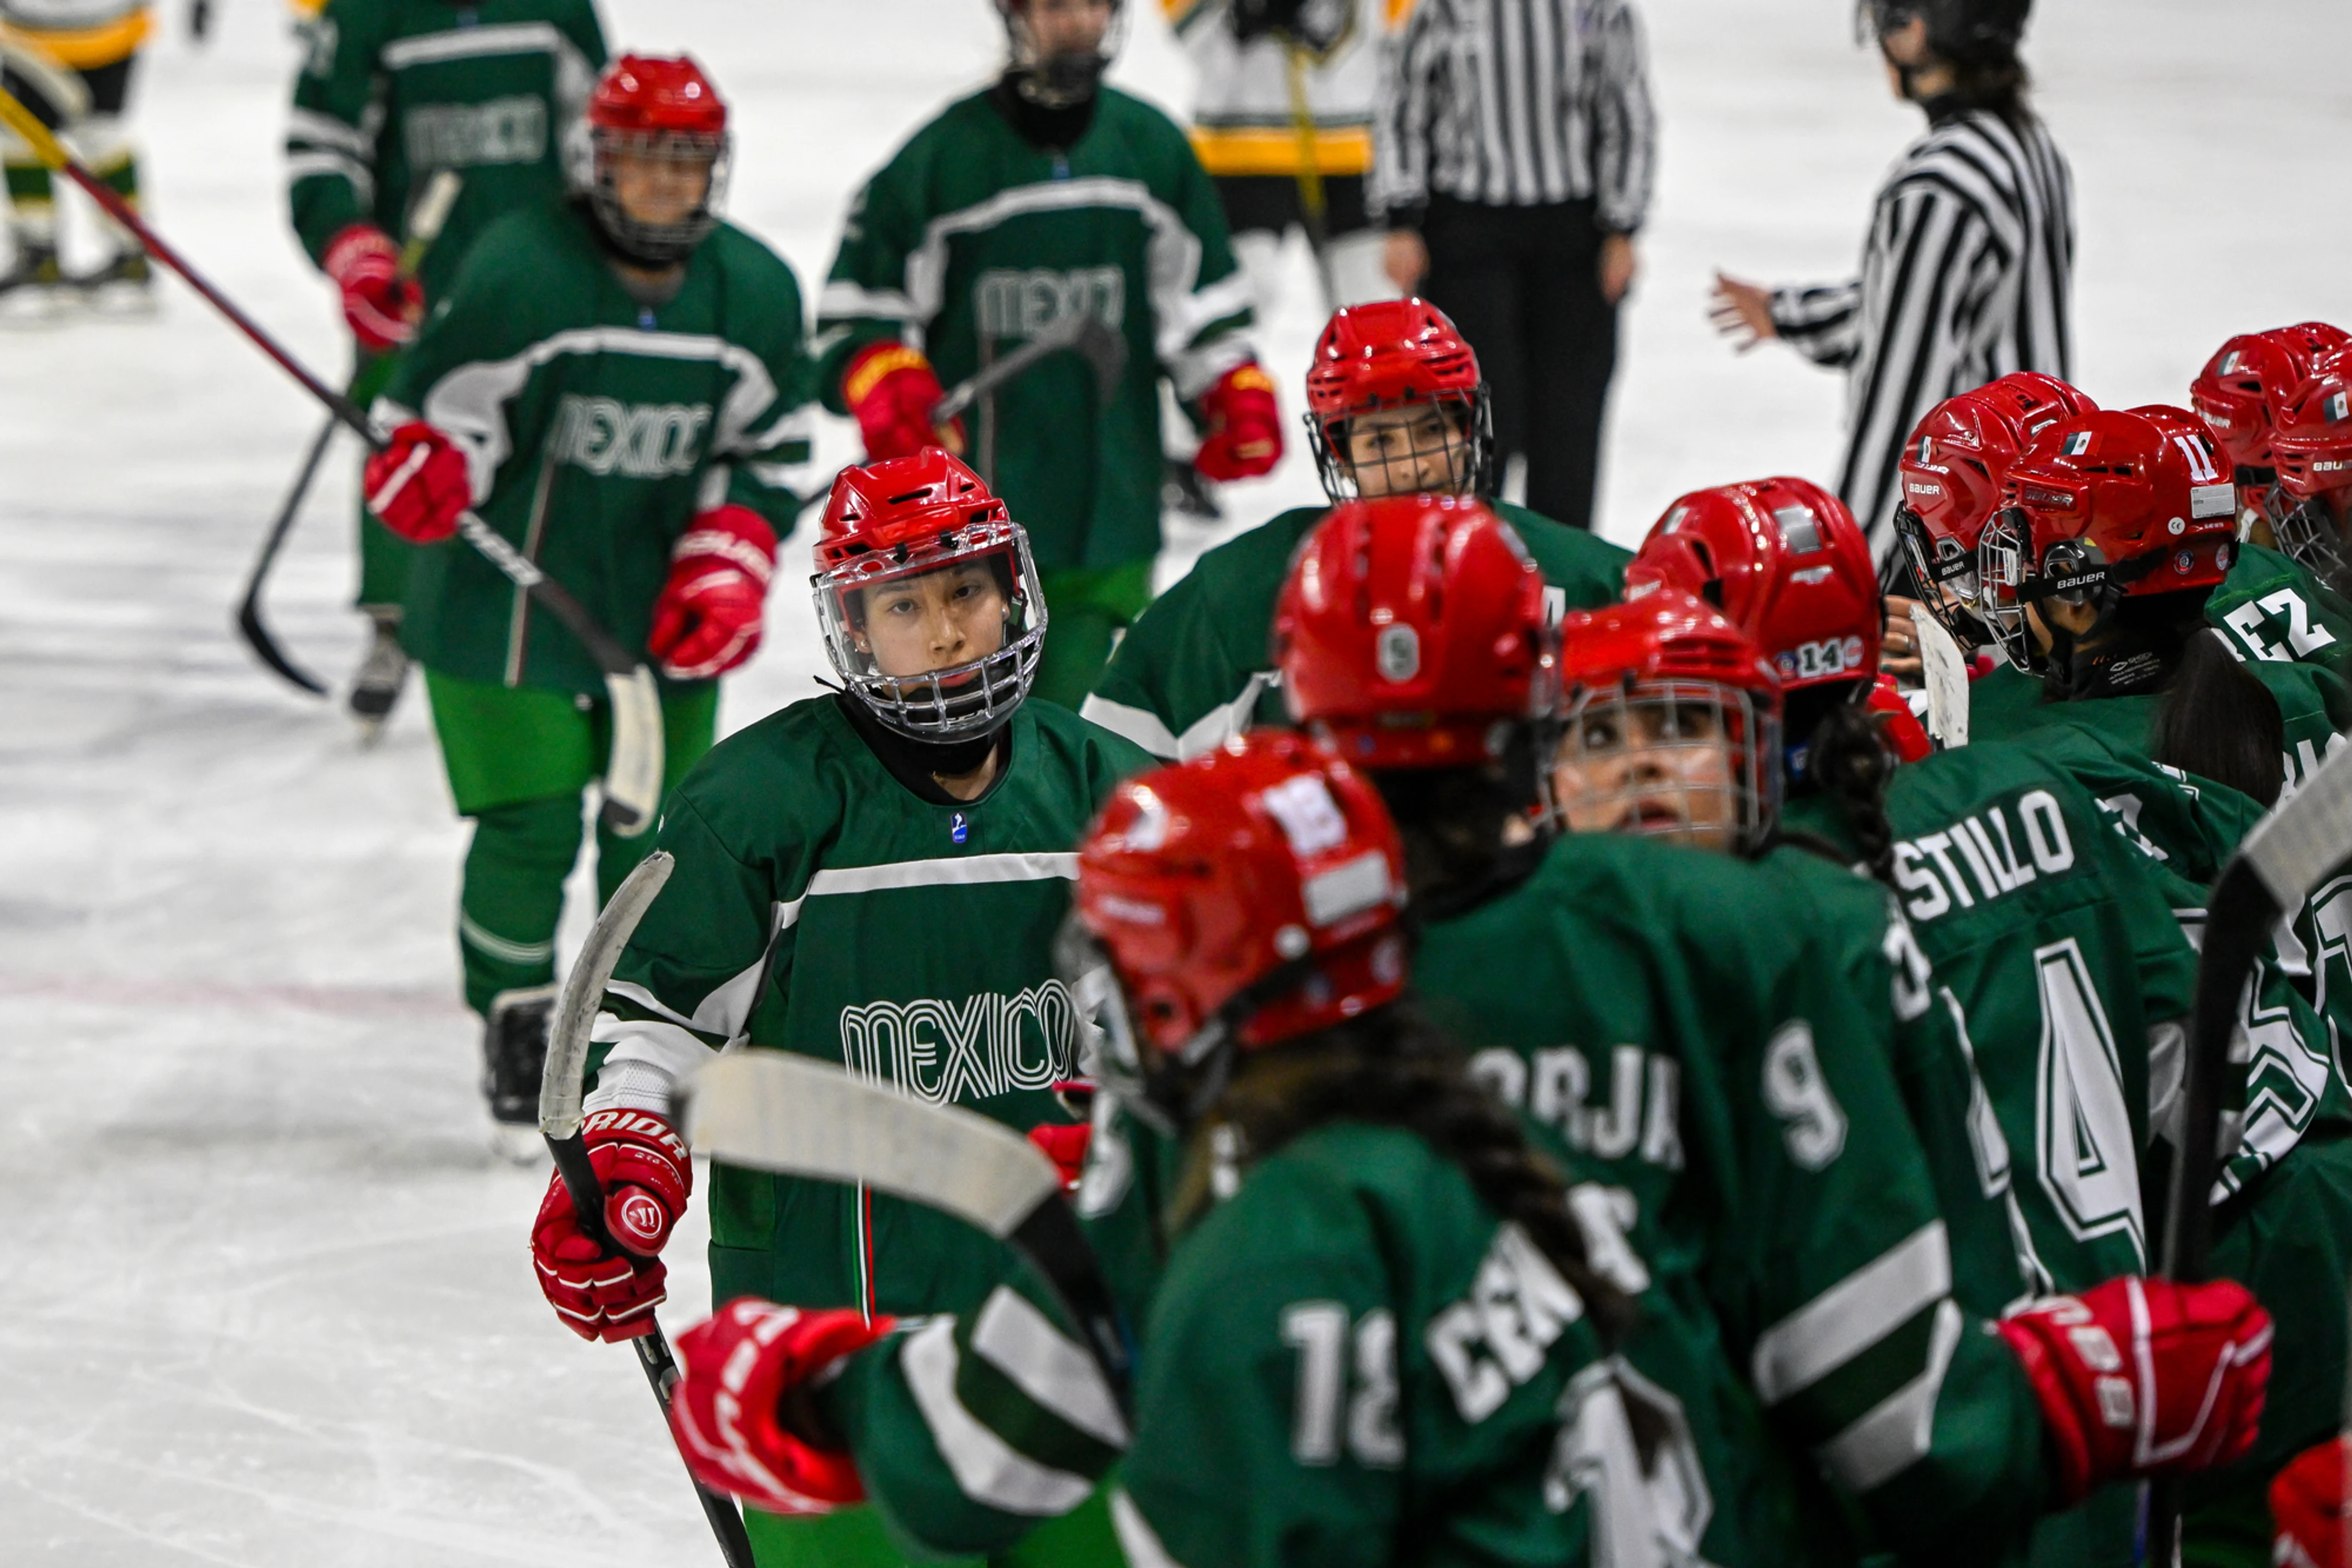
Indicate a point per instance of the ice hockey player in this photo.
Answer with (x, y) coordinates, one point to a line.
(2095, 577)
(1396, 406)
(69, 61)
(927, 799)
(2235, 393)
(613, 381)
(1045, 195)
(1314, 1388)
(1283, 121)
(2311, 436)
(389, 93)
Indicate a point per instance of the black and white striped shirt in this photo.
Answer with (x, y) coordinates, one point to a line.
(1966, 276)
(1516, 103)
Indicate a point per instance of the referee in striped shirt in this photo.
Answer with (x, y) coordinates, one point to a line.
(1967, 271)
(1512, 148)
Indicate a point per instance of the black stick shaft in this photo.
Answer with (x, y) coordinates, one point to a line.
(249, 608)
(652, 1350)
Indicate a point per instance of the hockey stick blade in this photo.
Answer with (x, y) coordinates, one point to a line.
(632, 774)
(249, 608)
(559, 1123)
(772, 1111)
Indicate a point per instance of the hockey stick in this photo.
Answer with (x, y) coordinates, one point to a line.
(772, 1111)
(2282, 860)
(559, 1123)
(1104, 349)
(424, 228)
(633, 777)
(1314, 207)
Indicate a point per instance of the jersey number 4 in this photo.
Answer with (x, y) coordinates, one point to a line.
(2082, 1120)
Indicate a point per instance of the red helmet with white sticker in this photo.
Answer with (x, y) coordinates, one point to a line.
(1246, 897)
(1411, 633)
(1785, 561)
(661, 111)
(2236, 391)
(1671, 724)
(927, 597)
(2103, 507)
(1401, 367)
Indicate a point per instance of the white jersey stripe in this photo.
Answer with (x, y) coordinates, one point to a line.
(1852, 1315)
(1043, 1362)
(989, 1469)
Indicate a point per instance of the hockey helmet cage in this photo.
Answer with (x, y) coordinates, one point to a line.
(1671, 724)
(2102, 507)
(1784, 561)
(2311, 438)
(892, 523)
(1950, 477)
(1397, 354)
(1411, 633)
(1058, 79)
(1244, 898)
(648, 107)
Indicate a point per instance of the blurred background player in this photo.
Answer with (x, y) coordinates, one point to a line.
(69, 62)
(1514, 151)
(1045, 194)
(389, 92)
(2312, 437)
(631, 365)
(1282, 119)
(852, 870)
(2236, 394)
(1395, 407)
(1968, 267)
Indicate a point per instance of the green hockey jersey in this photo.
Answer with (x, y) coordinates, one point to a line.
(392, 90)
(1720, 1041)
(2273, 608)
(1195, 669)
(971, 241)
(596, 428)
(2315, 704)
(820, 905)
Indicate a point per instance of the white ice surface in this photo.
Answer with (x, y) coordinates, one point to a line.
(268, 1299)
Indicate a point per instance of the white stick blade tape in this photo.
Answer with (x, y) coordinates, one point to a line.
(583, 993)
(634, 776)
(1947, 680)
(772, 1111)
(2308, 834)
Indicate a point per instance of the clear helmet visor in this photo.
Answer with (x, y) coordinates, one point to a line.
(941, 643)
(1675, 759)
(1433, 447)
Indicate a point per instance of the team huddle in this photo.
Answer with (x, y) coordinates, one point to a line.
(1561, 1055)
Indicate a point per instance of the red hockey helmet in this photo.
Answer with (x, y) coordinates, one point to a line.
(1673, 724)
(889, 526)
(2311, 438)
(1783, 559)
(2103, 507)
(1411, 633)
(1244, 898)
(1951, 472)
(2236, 390)
(1389, 359)
(662, 110)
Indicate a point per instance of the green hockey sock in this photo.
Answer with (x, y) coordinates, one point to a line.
(514, 894)
(32, 200)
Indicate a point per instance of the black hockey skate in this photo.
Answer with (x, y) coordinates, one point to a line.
(28, 288)
(514, 1058)
(377, 685)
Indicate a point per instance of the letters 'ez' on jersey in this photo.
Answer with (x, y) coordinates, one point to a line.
(971, 241)
(2273, 608)
(819, 906)
(1196, 669)
(595, 428)
(392, 90)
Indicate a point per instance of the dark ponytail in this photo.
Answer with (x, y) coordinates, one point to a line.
(1851, 765)
(2217, 721)
(1393, 1069)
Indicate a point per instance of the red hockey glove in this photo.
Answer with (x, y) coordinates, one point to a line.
(2309, 1506)
(2144, 1377)
(1244, 436)
(707, 620)
(380, 305)
(735, 1371)
(646, 1175)
(891, 390)
(1900, 729)
(1065, 1145)
(418, 484)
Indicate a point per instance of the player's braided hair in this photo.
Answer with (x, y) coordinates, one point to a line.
(1849, 762)
(1392, 1067)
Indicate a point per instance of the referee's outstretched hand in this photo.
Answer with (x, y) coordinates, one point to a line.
(1742, 313)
